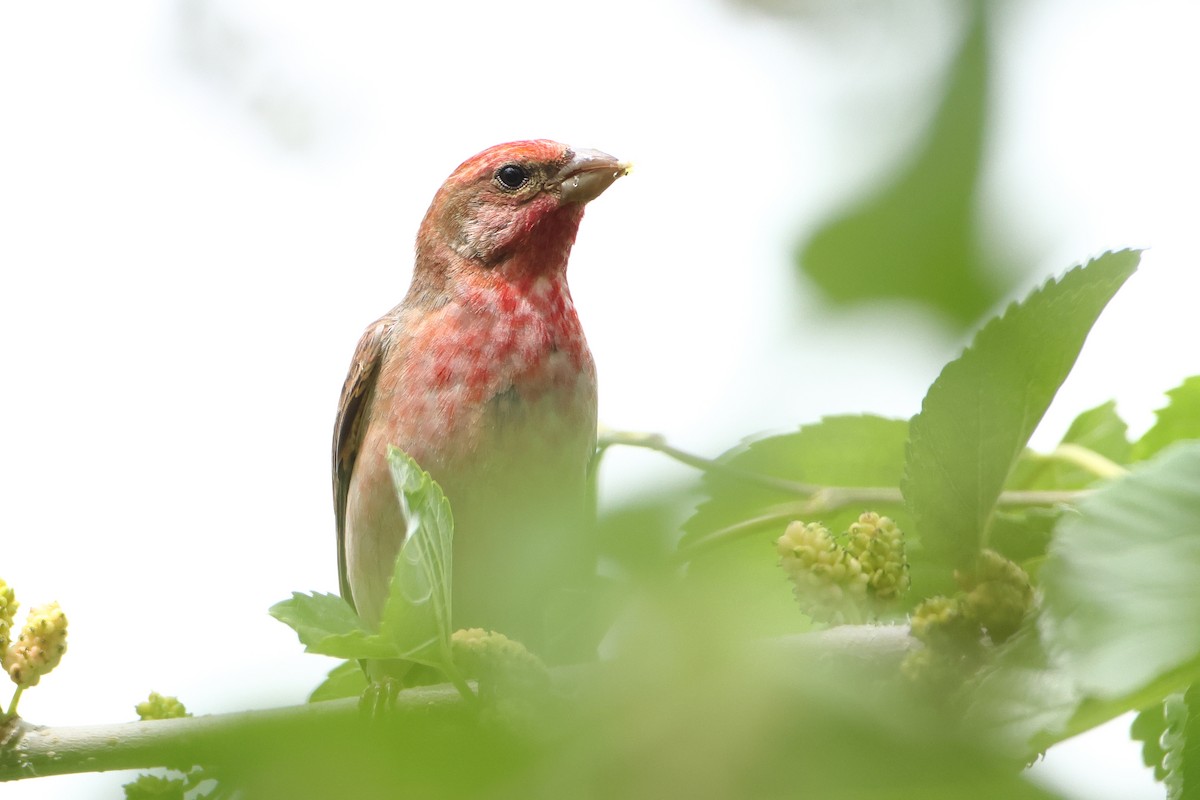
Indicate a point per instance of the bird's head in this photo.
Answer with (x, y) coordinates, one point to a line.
(520, 201)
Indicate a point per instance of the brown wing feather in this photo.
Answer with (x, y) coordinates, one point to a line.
(348, 430)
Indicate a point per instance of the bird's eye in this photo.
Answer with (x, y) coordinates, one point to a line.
(512, 176)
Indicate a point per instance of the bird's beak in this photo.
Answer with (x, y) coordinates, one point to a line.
(588, 174)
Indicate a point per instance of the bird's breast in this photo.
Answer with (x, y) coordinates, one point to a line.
(500, 373)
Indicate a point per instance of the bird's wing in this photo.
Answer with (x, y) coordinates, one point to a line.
(348, 430)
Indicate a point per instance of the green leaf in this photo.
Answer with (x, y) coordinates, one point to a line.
(1098, 430)
(347, 679)
(979, 414)
(863, 450)
(743, 572)
(326, 624)
(1181, 742)
(1148, 727)
(416, 617)
(1028, 701)
(919, 237)
(1102, 431)
(1022, 699)
(1022, 535)
(1179, 419)
(1122, 580)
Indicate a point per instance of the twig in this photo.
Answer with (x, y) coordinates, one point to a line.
(656, 442)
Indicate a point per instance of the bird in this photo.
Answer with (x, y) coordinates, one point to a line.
(482, 375)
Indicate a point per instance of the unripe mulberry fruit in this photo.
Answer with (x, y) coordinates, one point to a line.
(879, 547)
(828, 582)
(40, 647)
(998, 595)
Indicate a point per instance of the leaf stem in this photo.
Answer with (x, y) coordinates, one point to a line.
(825, 499)
(12, 706)
(656, 442)
(1087, 459)
(451, 671)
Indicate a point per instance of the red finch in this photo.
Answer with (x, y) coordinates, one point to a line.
(483, 376)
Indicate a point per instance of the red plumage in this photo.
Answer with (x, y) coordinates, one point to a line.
(483, 375)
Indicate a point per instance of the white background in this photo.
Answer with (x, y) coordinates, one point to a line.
(203, 203)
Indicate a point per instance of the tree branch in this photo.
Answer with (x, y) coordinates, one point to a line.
(28, 751)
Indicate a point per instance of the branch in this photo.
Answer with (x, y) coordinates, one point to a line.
(28, 751)
(824, 499)
(217, 740)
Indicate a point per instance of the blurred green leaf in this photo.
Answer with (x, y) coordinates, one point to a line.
(347, 679)
(1148, 727)
(1179, 419)
(1022, 699)
(980, 412)
(640, 534)
(1181, 745)
(1122, 598)
(1022, 535)
(1028, 701)
(1102, 431)
(918, 238)
(326, 624)
(416, 616)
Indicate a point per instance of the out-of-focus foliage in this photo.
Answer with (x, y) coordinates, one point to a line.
(1122, 595)
(918, 236)
(1179, 419)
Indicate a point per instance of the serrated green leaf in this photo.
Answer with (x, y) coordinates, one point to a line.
(416, 617)
(326, 624)
(347, 679)
(979, 414)
(1179, 419)
(1181, 743)
(918, 237)
(1148, 727)
(1122, 594)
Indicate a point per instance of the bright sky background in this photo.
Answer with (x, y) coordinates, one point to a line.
(203, 203)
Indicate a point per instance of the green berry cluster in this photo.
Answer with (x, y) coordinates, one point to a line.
(879, 546)
(156, 787)
(844, 583)
(997, 595)
(493, 657)
(39, 648)
(158, 706)
(994, 597)
(8, 610)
